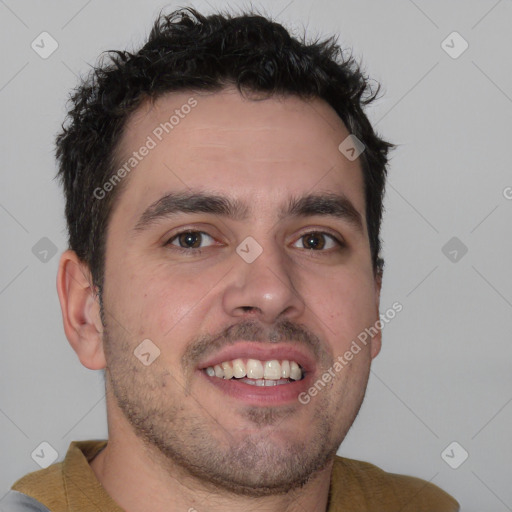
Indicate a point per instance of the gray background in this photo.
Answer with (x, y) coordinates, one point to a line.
(444, 373)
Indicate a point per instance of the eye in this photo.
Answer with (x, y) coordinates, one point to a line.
(317, 240)
(190, 240)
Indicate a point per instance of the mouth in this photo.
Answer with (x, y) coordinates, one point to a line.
(258, 374)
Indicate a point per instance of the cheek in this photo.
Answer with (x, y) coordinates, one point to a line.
(164, 306)
(168, 300)
(346, 305)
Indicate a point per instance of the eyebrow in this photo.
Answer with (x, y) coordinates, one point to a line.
(174, 203)
(327, 205)
(191, 202)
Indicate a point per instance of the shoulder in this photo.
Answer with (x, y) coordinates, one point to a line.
(49, 486)
(45, 485)
(369, 486)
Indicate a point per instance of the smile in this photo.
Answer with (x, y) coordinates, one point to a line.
(256, 372)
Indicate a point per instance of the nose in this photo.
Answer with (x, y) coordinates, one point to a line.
(264, 289)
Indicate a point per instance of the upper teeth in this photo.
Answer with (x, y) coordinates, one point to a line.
(255, 369)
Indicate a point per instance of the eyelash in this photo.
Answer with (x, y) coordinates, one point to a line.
(197, 251)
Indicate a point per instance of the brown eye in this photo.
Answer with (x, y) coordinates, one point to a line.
(190, 239)
(317, 240)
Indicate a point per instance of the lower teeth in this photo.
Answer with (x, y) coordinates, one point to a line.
(264, 382)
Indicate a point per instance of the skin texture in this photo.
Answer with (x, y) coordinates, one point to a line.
(175, 440)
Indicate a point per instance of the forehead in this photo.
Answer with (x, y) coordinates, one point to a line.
(258, 151)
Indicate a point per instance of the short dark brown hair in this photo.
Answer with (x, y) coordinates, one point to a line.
(188, 51)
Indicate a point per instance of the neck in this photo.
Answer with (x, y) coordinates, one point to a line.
(136, 476)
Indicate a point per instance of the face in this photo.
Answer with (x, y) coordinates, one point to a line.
(239, 247)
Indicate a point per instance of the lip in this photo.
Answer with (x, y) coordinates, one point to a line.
(261, 395)
(262, 352)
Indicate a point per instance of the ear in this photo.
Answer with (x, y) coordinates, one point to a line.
(376, 342)
(80, 310)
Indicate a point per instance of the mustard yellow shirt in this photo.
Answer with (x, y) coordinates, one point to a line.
(72, 486)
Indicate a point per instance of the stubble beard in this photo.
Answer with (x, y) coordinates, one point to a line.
(256, 465)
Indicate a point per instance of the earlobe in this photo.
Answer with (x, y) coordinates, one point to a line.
(377, 339)
(376, 345)
(80, 311)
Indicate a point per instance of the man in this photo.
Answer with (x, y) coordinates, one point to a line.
(224, 197)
